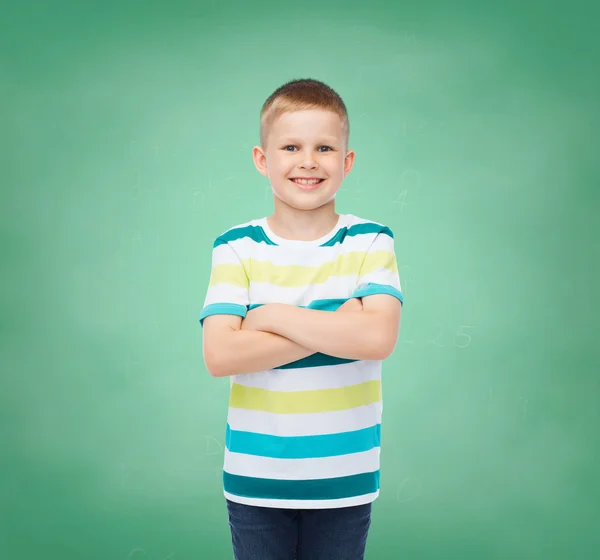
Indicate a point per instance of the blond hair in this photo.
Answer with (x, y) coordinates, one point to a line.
(299, 95)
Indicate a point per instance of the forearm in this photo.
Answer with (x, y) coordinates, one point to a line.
(353, 335)
(249, 351)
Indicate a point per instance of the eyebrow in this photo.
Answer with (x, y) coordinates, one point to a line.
(331, 139)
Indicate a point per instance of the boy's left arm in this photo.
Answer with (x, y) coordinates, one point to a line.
(370, 334)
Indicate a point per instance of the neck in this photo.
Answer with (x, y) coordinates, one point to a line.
(303, 225)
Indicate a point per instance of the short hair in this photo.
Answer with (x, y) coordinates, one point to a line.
(298, 95)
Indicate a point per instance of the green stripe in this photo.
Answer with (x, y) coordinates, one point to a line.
(256, 233)
(313, 489)
(316, 360)
(358, 229)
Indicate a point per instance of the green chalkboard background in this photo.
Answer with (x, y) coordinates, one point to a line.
(126, 137)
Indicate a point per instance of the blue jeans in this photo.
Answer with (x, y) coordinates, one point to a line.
(262, 533)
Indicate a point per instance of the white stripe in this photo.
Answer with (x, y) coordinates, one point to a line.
(282, 255)
(316, 423)
(226, 293)
(304, 504)
(381, 276)
(313, 378)
(225, 254)
(301, 469)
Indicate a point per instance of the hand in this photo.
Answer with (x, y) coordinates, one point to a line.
(261, 318)
(353, 304)
(252, 320)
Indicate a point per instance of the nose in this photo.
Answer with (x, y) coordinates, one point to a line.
(309, 163)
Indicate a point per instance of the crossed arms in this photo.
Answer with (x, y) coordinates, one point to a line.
(275, 334)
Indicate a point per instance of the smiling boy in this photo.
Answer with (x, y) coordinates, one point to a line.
(301, 309)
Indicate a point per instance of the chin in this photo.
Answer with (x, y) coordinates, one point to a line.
(308, 204)
(308, 199)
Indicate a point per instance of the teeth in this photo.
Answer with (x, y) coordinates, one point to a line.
(307, 182)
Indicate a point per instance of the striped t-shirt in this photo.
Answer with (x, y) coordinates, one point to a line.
(305, 434)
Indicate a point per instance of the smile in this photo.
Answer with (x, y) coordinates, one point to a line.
(307, 186)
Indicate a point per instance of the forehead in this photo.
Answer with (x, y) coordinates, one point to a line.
(308, 124)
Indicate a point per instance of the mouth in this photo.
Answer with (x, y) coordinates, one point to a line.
(310, 186)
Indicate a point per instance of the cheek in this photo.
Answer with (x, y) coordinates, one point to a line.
(281, 172)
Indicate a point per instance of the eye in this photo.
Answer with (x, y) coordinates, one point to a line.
(292, 146)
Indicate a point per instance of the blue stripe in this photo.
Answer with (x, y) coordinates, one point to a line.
(303, 447)
(313, 489)
(372, 289)
(357, 229)
(256, 233)
(222, 309)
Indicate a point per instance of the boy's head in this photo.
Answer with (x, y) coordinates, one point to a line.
(304, 133)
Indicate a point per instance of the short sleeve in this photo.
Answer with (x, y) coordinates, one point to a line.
(228, 287)
(379, 271)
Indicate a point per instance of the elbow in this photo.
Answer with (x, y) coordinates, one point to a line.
(211, 368)
(213, 356)
(382, 347)
(212, 371)
(214, 366)
(386, 351)
(215, 371)
(375, 351)
(218, 370)
(378, 353)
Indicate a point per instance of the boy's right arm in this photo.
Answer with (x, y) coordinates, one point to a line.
(230, 350)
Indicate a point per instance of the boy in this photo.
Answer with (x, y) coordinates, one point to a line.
(302, 307)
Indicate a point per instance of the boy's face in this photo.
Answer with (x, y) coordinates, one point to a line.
(305, 144)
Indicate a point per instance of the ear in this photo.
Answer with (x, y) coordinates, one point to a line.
(260, 160)
(348, 161)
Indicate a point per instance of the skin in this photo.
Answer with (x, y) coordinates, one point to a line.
(308, 143)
